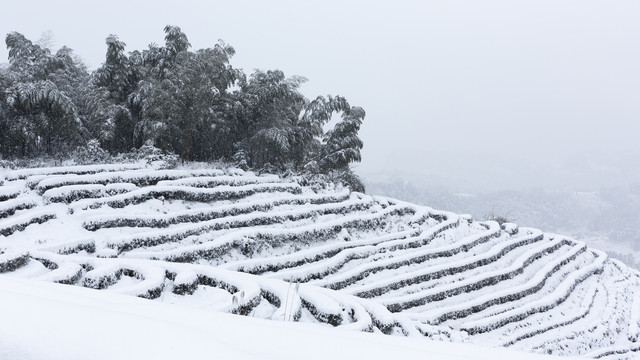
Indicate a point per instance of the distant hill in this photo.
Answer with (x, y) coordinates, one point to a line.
(293, 249)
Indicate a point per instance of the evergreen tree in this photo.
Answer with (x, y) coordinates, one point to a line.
(192, 103)
(342, 144)
(309, 134)
(40, 94)
(182, 98)
(118, 76)
(273, 105)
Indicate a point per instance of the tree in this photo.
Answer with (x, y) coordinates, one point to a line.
(115, 74)
(191, 103)
(272, 106)
(342, 144)
(40, 90)
(118, 76)
(309, 134)
(183, 95)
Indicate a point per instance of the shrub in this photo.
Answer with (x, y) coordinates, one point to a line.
(91, 153)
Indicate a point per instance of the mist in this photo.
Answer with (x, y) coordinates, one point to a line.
(478, 96)
(464, 96)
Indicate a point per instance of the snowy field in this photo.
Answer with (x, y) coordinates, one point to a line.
(200, 244)
(50, 321)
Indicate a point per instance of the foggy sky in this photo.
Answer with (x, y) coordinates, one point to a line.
(475, 94)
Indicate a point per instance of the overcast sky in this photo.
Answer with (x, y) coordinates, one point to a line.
(476, 94)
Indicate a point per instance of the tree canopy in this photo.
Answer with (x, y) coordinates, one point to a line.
(192, 103)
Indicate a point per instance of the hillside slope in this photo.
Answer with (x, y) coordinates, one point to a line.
(268, 247)
(50, 315)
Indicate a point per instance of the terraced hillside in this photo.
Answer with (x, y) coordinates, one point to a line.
(270, 247)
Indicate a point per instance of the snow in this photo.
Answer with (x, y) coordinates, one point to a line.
(181, 192)
(137, 176)
(415, 256)
(8, 192)
(11, 258)
(84, 169)
(558, 295)
(9, 207)
(523, 289)
(15, 223)
(70, 246)
(49, 321)
(460, 286)
(70, 193)
(634, 327)
(210, 241)
(210, 181)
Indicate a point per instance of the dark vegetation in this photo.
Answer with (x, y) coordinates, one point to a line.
(193, 104)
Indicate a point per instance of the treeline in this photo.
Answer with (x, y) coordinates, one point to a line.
(190, 103)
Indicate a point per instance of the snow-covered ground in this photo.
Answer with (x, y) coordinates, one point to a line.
(51, 321)
(226, 241)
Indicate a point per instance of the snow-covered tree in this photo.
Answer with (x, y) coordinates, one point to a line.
(191, 103)
(41, 90)
(273, 105)
(182, 98)
(342, 144)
